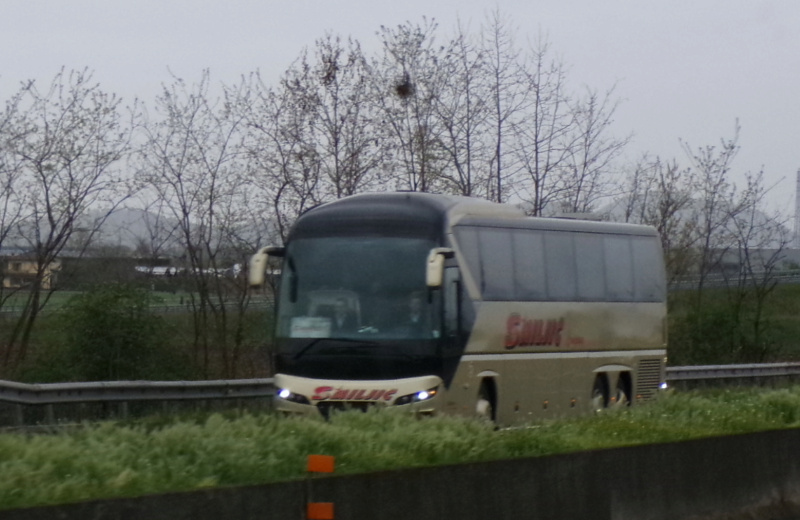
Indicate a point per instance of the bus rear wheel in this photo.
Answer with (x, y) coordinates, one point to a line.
(622, 393)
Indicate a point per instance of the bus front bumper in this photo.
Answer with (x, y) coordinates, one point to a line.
(300, 395)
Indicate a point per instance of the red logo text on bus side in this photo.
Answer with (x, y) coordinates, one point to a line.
(521, 332)
(329, 393)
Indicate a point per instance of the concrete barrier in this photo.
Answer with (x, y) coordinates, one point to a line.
(743, 476)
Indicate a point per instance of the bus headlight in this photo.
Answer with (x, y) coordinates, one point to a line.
(288, 395)
(423, 395)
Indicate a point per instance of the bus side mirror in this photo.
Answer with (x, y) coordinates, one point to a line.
(257, 267)
(435, 267)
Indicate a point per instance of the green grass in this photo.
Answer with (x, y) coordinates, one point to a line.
(182, 356)
(17, 300)
(59, 298)
(164, 454)
(783, 308)
(728, 338)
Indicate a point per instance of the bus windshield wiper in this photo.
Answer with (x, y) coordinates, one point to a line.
(358, 342)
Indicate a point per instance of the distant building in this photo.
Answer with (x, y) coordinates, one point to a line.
(19, 271)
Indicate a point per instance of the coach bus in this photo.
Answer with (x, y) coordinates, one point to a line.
(442, 304)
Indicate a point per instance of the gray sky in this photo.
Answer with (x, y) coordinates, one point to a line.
(685, 69)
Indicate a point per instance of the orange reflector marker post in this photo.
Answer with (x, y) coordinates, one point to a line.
(321, 463)
(319, 511)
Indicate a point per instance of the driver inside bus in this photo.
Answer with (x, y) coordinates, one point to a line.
(416, 321)
(344, 320)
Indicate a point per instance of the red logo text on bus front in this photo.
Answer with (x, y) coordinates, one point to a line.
(329, 393)
(522, 332)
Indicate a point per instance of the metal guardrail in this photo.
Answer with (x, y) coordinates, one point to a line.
(116, 391)
(20, 397)
(22, 405)
(711, 373)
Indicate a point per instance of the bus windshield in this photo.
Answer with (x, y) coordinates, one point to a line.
(359, 289)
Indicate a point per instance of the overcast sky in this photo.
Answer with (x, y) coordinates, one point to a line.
(685, 69)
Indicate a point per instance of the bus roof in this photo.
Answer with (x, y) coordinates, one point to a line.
(557, 224)
(427, 214)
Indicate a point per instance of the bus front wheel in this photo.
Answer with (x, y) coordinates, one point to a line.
(485, 405)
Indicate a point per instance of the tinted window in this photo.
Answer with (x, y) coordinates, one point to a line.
(590, 263)
(468, 244)
(619, 268)
(498, 267)
(648, 268)
(540, 265)
(529, 269)
(559, 254)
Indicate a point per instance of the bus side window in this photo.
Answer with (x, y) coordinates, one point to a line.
(497, 264)
(559, 252)
(619, 268)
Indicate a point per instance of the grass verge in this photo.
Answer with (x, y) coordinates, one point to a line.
(162, 454)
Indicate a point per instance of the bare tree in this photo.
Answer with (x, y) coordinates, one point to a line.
(345, 128)
(194, 159)
(636, 190)
(464, 109)
(717, 200)
(70, 138)
(589, 168)
(760, 242)
(508, 92)
(288, 172)
(542, 136)
(727, 241)
(406, 80)
(12, 196)
(660, 194)
(161, 232)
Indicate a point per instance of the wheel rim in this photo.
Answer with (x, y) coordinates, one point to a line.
(484, 406)
(484, 409)
(597, 400)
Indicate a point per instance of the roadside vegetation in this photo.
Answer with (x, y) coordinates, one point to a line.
(125, 332)
(164, 454)
(109, 333)
(118, 331)
(723, 327)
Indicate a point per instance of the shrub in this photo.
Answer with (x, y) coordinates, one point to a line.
(110, 333)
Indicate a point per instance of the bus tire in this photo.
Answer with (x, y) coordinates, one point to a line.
(622, 392)
(487, 401)
(600, 393)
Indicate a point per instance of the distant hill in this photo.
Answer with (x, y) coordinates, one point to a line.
(128, 227)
